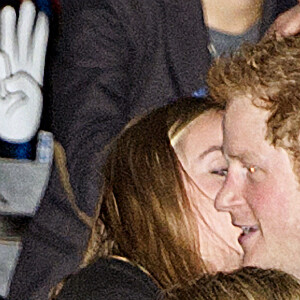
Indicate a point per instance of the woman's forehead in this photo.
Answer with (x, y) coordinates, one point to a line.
(203, 121)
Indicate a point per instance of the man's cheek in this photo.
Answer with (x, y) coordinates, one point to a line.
(268, 202)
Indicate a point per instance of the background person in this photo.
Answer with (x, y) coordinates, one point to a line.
(115, 60)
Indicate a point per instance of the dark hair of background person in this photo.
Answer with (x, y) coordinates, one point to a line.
(245, 284)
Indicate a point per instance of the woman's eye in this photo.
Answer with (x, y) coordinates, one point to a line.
(220, 172)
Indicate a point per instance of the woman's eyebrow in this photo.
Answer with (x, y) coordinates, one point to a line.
(209, 150)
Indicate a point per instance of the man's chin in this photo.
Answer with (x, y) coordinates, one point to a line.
(259, 259)
(273, 257)
(264, 260)
(224, 263)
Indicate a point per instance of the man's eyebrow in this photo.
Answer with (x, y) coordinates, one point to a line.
(244, 156)
(209, 150)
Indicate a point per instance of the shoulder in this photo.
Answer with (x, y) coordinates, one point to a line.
(109, 279)
(135, 18)
(122, 7)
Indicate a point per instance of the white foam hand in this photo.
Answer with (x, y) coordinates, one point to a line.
(25, 40)
(20, 105)
(23, 45)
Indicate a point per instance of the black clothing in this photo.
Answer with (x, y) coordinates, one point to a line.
(115, 59)
(109, 279)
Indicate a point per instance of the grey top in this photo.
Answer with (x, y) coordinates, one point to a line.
(224, 43)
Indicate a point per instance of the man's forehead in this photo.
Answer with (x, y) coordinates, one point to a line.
(244, 128)
(242, 114)
(244, 104)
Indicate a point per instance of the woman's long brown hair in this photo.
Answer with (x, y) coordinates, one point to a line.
(143, 212)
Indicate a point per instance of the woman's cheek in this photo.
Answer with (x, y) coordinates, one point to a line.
(219, 240)
(211, 184)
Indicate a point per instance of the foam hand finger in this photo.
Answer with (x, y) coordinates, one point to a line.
(8, 35)
(5, 70)
(24, 32)
(39, 47)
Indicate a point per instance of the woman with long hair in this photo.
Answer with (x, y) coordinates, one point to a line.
(156, 224)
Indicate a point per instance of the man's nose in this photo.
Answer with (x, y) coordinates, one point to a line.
(230, 195)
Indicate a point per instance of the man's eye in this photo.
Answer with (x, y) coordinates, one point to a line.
(252, 169)
(220, 172)
(255, 173)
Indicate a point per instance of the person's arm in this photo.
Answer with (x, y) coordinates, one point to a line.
(90, 82)
(287, 23)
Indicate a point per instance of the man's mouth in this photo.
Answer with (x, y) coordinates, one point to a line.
(249, 229)
(247, 232)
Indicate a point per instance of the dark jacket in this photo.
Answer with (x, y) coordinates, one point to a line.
(114, 60)
(109, 279)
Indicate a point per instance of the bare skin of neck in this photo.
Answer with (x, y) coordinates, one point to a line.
(232, 16)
